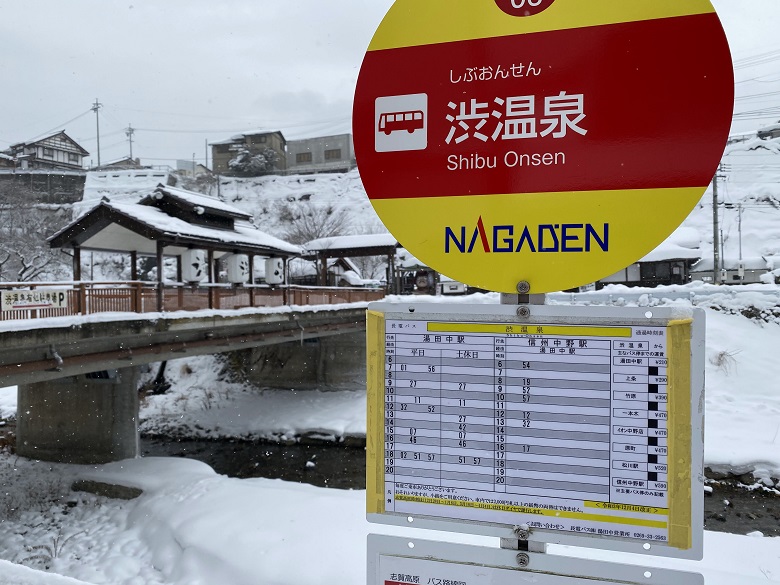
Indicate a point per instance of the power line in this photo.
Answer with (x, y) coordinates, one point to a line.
(60, 126)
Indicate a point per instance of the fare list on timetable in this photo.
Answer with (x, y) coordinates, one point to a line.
(558, 427)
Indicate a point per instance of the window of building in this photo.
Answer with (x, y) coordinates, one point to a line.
(74, 158)
(48, 152)
(333, 154)
(303, 157)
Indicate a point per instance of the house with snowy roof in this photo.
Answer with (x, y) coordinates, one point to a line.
(770, 132)
(669, 263)
(249, 144)
(58, 151)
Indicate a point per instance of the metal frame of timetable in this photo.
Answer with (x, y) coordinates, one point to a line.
(571, 425)
(410, 561)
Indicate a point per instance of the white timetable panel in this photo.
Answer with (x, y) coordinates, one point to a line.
(561, 426)
(403, 561)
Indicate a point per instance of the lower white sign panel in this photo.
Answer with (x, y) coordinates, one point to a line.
(400, 561)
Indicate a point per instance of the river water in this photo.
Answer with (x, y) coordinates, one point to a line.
(728, 508)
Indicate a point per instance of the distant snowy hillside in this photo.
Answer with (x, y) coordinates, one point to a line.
(750, 178)
(270, 199)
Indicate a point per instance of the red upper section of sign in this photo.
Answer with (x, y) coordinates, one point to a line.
(627, 106)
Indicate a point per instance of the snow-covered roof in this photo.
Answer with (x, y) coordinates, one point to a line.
(198, 200)
(405, 261)
(750, 263)
(116, 184)
(81, 149)
(122, 227)
(239, 137)
(770, 128)
(351, 242)
(683, 244)
(6, 157)
(243, 233)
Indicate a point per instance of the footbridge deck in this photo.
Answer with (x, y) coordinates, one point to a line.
(38, 350)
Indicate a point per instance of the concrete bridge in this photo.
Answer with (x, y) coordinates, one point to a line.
(78, 375)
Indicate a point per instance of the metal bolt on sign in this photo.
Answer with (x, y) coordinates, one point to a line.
(523, 560)
(522, 532)
(523, 287)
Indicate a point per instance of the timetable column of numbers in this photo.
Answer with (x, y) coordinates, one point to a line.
(390, 359)
(499, 431)
(418, 410)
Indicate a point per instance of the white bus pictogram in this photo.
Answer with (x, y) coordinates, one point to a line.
(401, 122)
(395, 121)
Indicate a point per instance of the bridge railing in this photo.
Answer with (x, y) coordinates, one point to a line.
(89, 298)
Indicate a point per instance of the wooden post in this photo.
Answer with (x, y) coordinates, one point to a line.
(180, 285)
(323, 270)
(82, 295)
(286, 284)
(136, 290)
(76, 263)
(133, 265)
(160, 291)
(210, 261)
(251, 280)
(391, 275)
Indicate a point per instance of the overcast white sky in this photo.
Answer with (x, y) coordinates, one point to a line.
(186, 71)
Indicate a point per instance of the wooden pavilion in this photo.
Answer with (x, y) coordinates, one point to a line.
(195, 229)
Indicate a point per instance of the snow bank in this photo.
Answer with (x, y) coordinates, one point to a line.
(8, 402)
(204, 529)
(12, 574)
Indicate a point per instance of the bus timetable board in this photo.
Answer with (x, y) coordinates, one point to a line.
(581, 423)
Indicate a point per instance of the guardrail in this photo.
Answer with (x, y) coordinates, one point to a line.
(89, 298)
(650, 296)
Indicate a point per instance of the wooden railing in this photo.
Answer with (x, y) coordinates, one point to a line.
(89, 298)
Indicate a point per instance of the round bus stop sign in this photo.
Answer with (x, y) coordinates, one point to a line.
(547, 141)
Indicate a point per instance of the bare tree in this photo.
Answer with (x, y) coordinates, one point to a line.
(371, 266)
(307, 221)
(24, 226)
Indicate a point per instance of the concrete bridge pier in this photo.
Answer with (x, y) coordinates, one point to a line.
(87, 419)
(334, 362)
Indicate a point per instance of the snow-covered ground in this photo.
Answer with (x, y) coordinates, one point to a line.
(194, 527)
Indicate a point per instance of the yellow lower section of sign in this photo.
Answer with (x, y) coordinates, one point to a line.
(679, 351)
(375, 411)
(415, 22)
(554, 241)
(626, 521)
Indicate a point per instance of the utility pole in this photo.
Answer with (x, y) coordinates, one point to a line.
(715, 231)
(739, 223)
(129, 131)
(96, 108)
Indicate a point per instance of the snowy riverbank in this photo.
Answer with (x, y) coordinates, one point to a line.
(193, 527)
